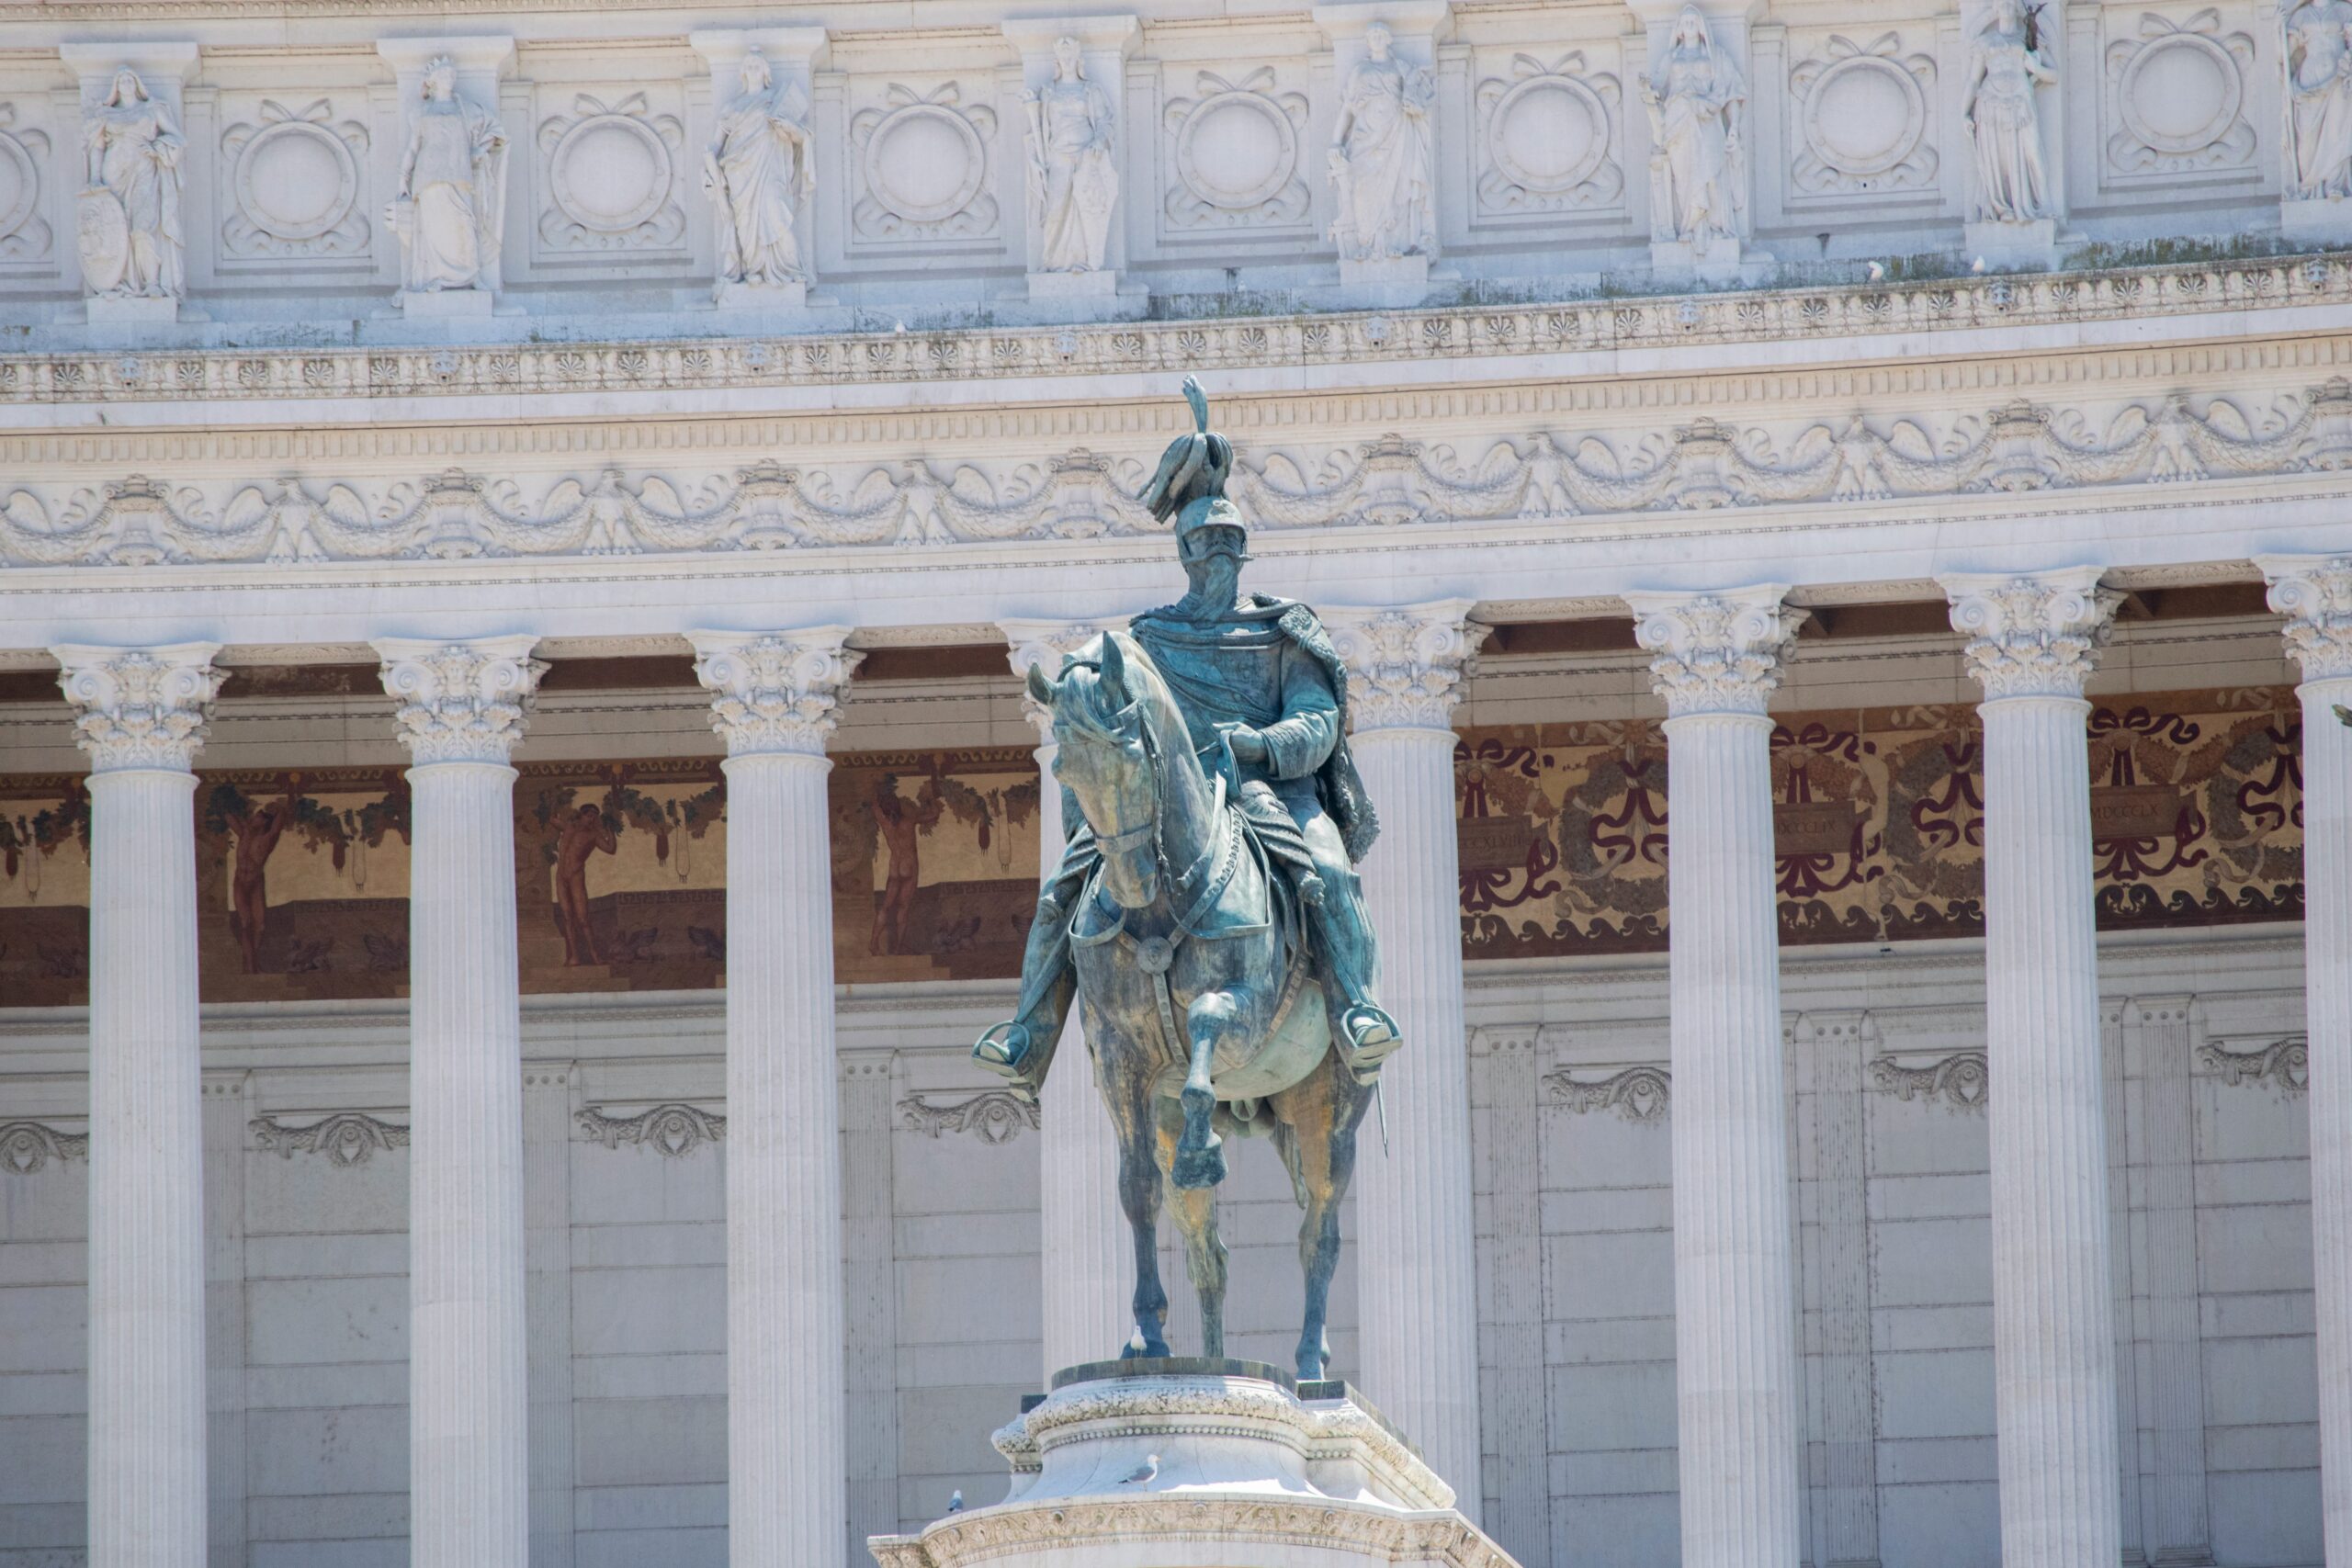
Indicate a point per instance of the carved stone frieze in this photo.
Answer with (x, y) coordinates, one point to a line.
(995, 1116)
(1547, 137)
(2284, 1064)
(1641, 1093)
(294, 183)
(347, 1138)
(1233, 152)
(27, 1147)
(1959, 1081)
(923, 159)
(2178, 92)
(612, 176)
(1699, 466)
(1862, 113)
(672, 1130)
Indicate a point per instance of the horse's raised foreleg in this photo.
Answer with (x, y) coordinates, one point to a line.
(1126, 1091)
(1322, 1112)
(1200, 1161)
(1196, 1212)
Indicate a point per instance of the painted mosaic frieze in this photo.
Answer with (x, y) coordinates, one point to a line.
(1878, 823)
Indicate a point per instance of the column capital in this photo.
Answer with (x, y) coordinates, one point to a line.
(2314, 593)
(1716, 652)
(774, 693)
(2031, 634)
(460, 701)
(1032, 643)
(1405, 664)
(140, 707)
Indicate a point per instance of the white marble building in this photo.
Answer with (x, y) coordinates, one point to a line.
(471, 467)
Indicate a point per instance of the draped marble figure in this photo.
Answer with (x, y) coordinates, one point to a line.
(2318, 57)
(758, 172)
(1698, 100)
(2003, 126)
(1381, 157)
(452, 189)
(130, 240)
(1073, 174)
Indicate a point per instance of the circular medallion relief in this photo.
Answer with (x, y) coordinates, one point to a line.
(1236, 150)
(609, 173)
(924, 162)
(2180, 93)
(1548, 134)
(19, 184)
(1864, 115)
(296, 180)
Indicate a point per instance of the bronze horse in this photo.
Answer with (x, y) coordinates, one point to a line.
(1197, 996)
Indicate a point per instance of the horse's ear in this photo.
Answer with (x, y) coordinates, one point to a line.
(1041, 685)
(1115, 666)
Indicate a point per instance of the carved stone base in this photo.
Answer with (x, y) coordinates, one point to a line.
(446, 304)
(2327, 221)
(1719, 260)
(761, 296)
(1183, 1462)
(132, 311)
(2012, 247)
(1396, 282)
(1101, 284)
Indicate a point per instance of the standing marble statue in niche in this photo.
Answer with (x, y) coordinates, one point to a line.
(1073, 174)
(128, 216)
(1698, 102)
(1381, 162)
(2004, 127)
(759, 174)
(452, 190)
(2318, 54)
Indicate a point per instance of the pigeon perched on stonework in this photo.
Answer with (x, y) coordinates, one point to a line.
(1147, 1471)
(956, 1501)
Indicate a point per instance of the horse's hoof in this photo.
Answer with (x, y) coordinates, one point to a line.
(1199, 1168)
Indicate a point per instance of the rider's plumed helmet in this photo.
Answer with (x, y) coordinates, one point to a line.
(1190, 486)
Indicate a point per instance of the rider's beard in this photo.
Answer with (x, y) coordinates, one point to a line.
(1216, 587)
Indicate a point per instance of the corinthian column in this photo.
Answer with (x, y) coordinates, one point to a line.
(2032, 640)
(2314, 593)
(1716, 659)
(773, 699)
(1415, 1259)
(1087, 1252)
(140, 715)
(460, 710)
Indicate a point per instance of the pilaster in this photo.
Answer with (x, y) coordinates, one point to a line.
(140, 713)
(460, 710)
(1716, 659)
(2315, 593)
(2032, 641)
(774, 700)
(1415, 1259)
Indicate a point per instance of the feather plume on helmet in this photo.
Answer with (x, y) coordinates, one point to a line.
(1190, 487)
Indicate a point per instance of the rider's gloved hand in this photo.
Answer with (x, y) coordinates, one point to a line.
(1249, 746)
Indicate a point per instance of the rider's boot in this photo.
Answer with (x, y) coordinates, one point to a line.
(1344, 948)
(1021, 1048)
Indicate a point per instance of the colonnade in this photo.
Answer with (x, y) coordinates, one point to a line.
(462, 705)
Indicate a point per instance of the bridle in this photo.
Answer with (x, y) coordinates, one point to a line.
(1212, 872)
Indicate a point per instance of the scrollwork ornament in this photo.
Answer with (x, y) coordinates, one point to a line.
(140, 707)
(27, 1147)
(1716, 652)
(2315, 593)
(460, 702)
(347, 1138)
(2032, 635)
(673, 1131)
(775, 693)
(996, 1116)
(1404, 665)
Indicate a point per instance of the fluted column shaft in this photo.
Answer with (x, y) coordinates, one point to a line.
(1716, 659)
(2033, 639)
(1086, 1255)
(141, 717)
(773, 701)
(461, 710)
(2315, 594)
(1415, 1253)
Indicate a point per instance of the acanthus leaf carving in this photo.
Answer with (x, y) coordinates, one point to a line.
(995, 1116)
(1642, 1093)
(2283, 1063)
(347, 1138)
(27, 1147)
(670, 1130)
(1959, 1081)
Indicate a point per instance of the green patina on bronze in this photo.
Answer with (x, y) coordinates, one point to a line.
(1206, 915)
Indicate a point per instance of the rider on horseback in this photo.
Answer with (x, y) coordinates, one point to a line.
(1265, 697)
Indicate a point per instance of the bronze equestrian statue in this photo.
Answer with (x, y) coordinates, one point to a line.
(1206, 913)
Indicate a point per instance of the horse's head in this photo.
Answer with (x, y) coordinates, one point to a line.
(1106, 760)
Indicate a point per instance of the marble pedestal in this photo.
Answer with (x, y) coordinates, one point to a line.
(2012, 247)
(132, 310)
(1184, 1462)
(446, 304)
(2320, 222)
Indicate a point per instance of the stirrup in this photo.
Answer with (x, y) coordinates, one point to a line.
(1003, 1047)
(1372, 1035)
